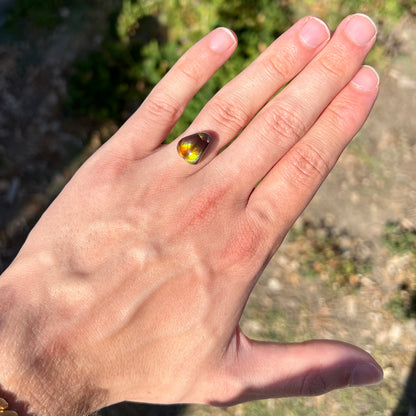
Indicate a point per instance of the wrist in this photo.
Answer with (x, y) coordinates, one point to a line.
(13, 355)
(39, 375)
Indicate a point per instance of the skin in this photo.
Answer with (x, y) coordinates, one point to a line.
(132, 284)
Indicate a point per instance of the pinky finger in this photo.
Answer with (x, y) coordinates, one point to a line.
(288, 188)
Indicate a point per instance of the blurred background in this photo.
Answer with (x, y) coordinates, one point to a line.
(72, 71)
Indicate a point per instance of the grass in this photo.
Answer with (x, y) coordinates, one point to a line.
(401, 241)
(370, 401)
(322, 255)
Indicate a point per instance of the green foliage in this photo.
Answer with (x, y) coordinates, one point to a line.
(294, 407)
(402, 242)
(110, 83)
(148, 36)
(386, 12)
(398, 239)
(403, 305)
(256, 23)
(99, 89)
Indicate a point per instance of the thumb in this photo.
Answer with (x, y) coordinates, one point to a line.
(258, 370)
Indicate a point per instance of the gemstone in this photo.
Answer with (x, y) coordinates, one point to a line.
(192, 147)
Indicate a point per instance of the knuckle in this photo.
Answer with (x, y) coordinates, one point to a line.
(278, 66)
(162, 107)
(229, 114)
(308, 164)
(333, 65)
(283, 123)
(341, 116)
(192, 69)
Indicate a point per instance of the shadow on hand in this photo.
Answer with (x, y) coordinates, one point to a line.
(139, 409)
(407, 403)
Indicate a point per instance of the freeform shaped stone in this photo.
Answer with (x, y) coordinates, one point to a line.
(192, 147)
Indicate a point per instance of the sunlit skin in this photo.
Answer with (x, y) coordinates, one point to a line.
(132, 284)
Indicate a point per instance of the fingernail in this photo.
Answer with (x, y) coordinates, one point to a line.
(361, 29)
(366, 375)
(222, 39)
(314, 32)
(366, 79)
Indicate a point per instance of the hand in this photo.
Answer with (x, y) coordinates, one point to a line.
(132, 284)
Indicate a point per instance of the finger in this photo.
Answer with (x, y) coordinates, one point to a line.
(256, 370)
(151, 123)
(290, 185)
(292, 113)
(235, 104)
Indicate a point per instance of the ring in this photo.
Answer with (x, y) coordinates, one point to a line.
(191, 148)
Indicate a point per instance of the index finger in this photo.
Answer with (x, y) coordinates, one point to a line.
(148, 127)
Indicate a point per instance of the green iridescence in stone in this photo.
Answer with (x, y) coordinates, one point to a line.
(192, 147)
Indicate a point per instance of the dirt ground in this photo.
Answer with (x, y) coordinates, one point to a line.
(373, 185)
